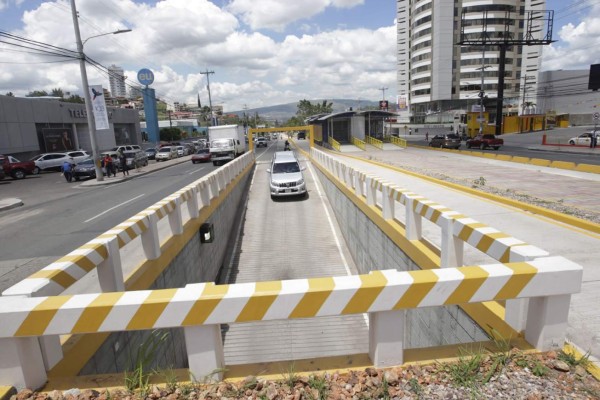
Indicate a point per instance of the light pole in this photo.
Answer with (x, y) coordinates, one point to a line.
(86, 89)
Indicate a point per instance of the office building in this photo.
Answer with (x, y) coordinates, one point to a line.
(438, 78)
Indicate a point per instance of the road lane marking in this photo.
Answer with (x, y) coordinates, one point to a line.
(112, 208)
(194, 170)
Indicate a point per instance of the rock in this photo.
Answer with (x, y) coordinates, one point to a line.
(562, 366)
(56, 395)
(271, 392)
(72, 392)
(371, 371)
(88, 394)
(551, 354)
(250, 382)
(391, 377)
(580, 371)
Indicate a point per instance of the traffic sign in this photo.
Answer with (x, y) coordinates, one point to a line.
(596, 116)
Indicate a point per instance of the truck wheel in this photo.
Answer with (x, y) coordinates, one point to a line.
(496, 147)
(482, 146)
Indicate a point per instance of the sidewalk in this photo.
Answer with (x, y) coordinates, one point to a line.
(9, 203)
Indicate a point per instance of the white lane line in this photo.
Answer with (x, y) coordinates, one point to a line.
(112, 208)
(193, 171)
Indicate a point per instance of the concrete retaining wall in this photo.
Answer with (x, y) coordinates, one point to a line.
(372, 250)
(198, 262)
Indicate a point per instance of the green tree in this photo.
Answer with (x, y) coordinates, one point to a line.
(306, 109)
(37, 93)
(57, 92)
(10, 94)
(170, 134)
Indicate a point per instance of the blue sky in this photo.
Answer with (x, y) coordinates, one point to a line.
(263, 52)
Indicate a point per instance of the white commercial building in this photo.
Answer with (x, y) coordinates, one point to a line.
(438, 76)
(116, 80)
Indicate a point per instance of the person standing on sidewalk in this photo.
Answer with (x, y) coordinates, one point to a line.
(123, 161)
(67, 169)
(109, 165)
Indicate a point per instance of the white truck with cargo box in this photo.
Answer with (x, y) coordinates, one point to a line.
(226, 143)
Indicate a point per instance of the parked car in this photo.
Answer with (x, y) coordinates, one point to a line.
(583, 139)
(15, 168)
(136, 158)
(301, 135)
(286, 175)
(84, 169)
(202, 155)
(126, 147)
(54, 161)
(166, 153)
(180, 151)
(448, 141)
(485, 141)
(261, 142)
(151, 153)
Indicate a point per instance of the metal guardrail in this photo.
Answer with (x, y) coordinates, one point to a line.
(398, 142)
(374, 142)
(358, 143)
(334, 143)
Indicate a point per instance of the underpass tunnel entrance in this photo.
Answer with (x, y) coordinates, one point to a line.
(306, 129)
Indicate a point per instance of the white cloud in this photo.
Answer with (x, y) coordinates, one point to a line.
(178, 39)
(277, 14)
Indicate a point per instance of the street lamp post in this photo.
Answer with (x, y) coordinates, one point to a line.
(86, 89)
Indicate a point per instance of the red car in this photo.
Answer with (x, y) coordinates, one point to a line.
(202, 155)
(15, 168)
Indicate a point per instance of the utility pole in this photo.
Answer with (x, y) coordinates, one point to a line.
(207, 73)
(383, 89)
(524, 94)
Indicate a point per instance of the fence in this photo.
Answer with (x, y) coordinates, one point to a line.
(397, 141)
(374, 142)
(358, 143)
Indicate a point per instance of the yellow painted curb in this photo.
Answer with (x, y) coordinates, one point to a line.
(592, 368)
(6, 392)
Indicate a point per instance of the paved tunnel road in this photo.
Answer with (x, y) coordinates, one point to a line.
(58, 217)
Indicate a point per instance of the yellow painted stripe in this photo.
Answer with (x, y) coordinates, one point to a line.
(423, 282)
(318, 291)
(151, 309)
(467, 230)
(372, 285)
(96, 312)
(40, 317)
(81, 261)
(474, 278)
(505, 257)
(488, 239)
(522, 274)
(257, 306)
(57, 276)
(205, 305)
(98, 248)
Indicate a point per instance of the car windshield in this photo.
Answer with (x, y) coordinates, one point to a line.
(217, 143)
(37, 157)
(285, 168)
(203, 151)
(129, 155)
(165, 150)
(150, 150)
(452, 136)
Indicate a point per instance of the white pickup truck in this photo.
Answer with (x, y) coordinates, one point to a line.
(226, 143)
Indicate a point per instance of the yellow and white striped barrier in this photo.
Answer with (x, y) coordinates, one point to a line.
(201, 308)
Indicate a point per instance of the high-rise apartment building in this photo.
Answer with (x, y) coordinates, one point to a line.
(438, 76)
(116, 80)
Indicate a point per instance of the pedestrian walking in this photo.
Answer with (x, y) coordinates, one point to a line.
(593, 140)
(109, 166)
(123, 161)
(67, 170)
(427, 137)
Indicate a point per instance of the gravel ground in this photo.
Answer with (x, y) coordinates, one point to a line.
(507, 375)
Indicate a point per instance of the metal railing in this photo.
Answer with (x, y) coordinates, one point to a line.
(374, 142)
(398, 142)
(358, 143)
(334, 144)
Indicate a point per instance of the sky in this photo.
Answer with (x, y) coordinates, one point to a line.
(262, 52)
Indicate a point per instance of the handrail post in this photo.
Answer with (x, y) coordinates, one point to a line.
(388, 202)
(192, 203)
(110, 271)
(175, 218)
(413, 227)
(150, 239)
(358, 184)
(452, 248)
(371, 191)
(386, 338)
(22, 364)
(546, 327)
(205, 351)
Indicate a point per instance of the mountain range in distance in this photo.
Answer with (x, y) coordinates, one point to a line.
(283, 112)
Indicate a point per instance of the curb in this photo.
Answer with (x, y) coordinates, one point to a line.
(9, 203)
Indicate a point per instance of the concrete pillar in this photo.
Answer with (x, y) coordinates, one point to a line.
(452, 247)
(221, 179)
(21, 363)
(204, 195)
(205, 352)
(214, 187)
(386, 338)
(414, 229)
(150, 240)
(192, 203)
(110, 271)
(547, 323)
(175, 218)
(387, 202)
(358, 185)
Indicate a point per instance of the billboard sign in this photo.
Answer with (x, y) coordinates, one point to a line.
(402, 103)
(145, 76)
(99, 107)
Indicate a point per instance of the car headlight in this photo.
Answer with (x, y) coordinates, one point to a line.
(301, 182)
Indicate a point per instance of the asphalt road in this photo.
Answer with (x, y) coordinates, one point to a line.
(57, 216)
